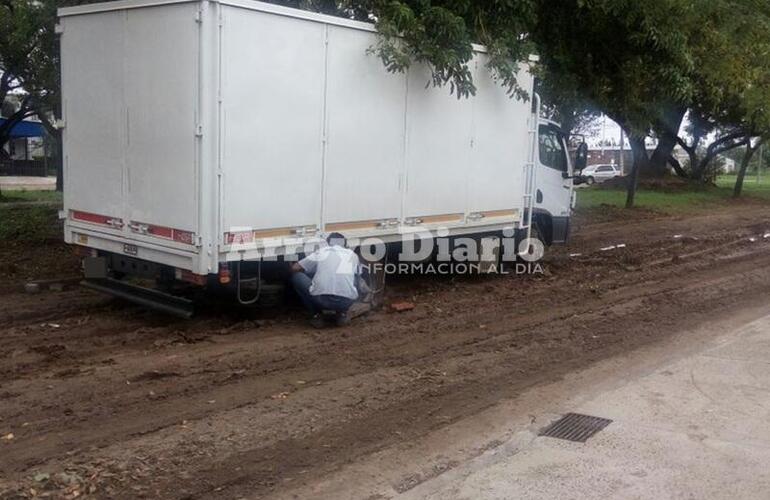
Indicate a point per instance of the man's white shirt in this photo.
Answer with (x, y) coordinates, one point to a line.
(334, 269)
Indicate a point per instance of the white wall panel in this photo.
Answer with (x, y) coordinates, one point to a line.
(439, 128)
(500, 144)
(365, 123)
(92, 81)
(161, 99)
(273, 119)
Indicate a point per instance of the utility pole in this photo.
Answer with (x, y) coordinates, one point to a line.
(761, 160)
(604, 134)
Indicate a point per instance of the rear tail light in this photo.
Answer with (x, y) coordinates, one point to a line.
(224, 274)
(190, 277)
(85, 251)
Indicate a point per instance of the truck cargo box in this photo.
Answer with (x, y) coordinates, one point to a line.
(201, 132)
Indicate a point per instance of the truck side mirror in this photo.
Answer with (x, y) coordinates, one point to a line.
(581, 157)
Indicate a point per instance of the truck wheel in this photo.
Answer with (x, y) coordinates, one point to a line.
(590, 181)
(536, 234)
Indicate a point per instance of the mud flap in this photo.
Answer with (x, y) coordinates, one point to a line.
(95, 267)
(561, 230)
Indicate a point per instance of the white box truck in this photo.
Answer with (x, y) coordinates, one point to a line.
(200, 134)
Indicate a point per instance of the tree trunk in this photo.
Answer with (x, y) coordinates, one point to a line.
(668, 132)
(680, 172)
(657, 165)
(58, 161)
(750, 150)
(640, 163)
(693, 162)
(58, 153)
(720, 146)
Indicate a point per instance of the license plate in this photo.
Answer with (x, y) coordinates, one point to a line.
(130, 249)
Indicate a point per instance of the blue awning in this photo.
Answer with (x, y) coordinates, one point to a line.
(26, 129)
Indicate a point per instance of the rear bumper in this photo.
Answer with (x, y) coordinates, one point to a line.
(119, 245)
(153, 299)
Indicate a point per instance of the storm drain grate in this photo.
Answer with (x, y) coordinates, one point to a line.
(575, 427)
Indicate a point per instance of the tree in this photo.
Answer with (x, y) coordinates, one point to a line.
(29, 63)
(628, 59)
(646, 63)
(730, 81)
(750, 150)
(441, 34)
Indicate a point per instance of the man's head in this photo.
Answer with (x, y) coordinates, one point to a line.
(336, 239)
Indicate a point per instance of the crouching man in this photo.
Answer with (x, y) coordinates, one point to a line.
(326, 280)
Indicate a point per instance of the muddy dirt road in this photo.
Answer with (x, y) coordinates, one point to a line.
(101, 398)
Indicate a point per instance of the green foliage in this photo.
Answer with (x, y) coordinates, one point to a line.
(629, 59)
(732, 76)
(35, 196)
(442, 33)
(29, 224)
(28, 48)
(731, 80)
(29, 64)
(752, 187)
(680, 201)
(27, 43)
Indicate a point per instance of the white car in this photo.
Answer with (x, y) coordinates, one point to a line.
(600, 173)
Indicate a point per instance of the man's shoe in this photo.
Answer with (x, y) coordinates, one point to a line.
(317, 321)
(342, 319)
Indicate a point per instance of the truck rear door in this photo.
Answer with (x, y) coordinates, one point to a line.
(161, 195)
(130, 86)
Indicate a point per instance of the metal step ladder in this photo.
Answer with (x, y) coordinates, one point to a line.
(530, 173)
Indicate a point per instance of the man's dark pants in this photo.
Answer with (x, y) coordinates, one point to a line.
(318, 303)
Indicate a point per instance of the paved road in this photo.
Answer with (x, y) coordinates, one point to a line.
(8, 183)
(696, 427)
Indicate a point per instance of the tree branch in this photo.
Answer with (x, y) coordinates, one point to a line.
(23, 112)
(677, 167)
(687, 148)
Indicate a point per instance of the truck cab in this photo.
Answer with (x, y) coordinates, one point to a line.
(555, 179)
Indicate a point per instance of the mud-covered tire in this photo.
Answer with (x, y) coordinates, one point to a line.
(535, 234)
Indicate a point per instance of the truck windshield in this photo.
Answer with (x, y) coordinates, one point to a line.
(552, 153)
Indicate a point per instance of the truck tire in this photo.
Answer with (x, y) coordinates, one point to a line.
(536, 234)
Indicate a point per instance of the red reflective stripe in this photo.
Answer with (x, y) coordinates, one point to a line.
(168, 233)
(92, 218)
(183, 237)
(239, 238)
(161, 232)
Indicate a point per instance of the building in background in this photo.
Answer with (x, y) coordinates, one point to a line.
(25, 154)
